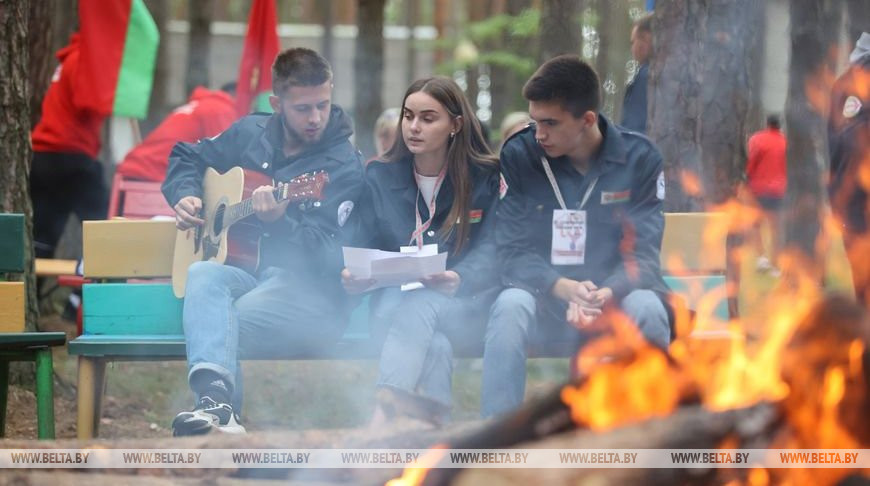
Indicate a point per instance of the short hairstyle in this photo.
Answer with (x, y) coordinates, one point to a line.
(568, 80)
(644, 24)
(773, 120)
(299, 66)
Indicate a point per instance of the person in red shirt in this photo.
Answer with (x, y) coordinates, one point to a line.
(206, 114)
(766, 177)
(65, 175)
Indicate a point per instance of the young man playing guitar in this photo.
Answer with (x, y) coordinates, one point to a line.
(294, 300)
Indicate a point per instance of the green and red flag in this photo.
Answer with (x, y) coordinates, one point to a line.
(118, 53)
(261, 48)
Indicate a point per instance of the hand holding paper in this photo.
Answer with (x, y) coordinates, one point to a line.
(392, 269)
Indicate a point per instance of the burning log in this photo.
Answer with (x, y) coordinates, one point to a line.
(690, 427)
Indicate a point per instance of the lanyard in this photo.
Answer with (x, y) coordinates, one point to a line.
(420, 226)
(556, 190)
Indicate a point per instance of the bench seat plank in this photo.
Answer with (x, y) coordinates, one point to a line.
(140, 308)
(11, 307)
(128, 248)
(30, 340)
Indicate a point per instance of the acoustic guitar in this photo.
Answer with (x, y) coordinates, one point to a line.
(229, 236)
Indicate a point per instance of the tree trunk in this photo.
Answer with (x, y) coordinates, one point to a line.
(507, 83)
(328, 22)
(412, 13)
(441, 19)
(857, 20)
(560, 28)
(814, 33)
(42, 63)
(614, 46)
(729, 84)
(158, 104)
(15, 148)
(198, 44)
(368, 66)
(64, 23)
(675, 99)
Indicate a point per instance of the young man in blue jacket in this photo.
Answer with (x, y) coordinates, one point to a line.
(295, 300)
(579, 226)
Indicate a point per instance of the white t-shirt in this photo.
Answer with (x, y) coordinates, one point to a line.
(426, 184)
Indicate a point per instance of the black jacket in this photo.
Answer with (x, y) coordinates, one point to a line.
(390, 221)
(625, 218)
(635, 102)
(308, 239)
(848, 142)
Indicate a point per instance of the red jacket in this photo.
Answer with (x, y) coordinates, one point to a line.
(765, 168)
(64, 126)
(206, 114)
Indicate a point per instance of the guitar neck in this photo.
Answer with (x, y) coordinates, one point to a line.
(244, 208)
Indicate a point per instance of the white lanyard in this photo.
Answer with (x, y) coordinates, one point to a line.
(556, 190)
(420, 226)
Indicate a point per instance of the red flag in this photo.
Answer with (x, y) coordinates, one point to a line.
(261, 48)
(118, 53)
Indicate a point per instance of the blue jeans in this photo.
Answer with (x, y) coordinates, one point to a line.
(417, 357)
(513, 317)
(230, 314)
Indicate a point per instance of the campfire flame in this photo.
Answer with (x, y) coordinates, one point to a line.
(781, 353)
(412, 476)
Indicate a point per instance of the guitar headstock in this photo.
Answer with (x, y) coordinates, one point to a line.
(306, 186)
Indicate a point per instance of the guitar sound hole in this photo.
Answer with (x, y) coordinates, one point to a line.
(218, 224)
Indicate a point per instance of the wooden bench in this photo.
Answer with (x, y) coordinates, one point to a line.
(15, 344)
(142, 321)
(137, 199)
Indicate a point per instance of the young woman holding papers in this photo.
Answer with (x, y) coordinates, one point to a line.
(437, 185)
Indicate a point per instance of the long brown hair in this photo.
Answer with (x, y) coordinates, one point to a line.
(467, 147)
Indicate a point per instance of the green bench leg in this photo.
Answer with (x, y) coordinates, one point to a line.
(92, 378)
(44, 395)
(4, 390)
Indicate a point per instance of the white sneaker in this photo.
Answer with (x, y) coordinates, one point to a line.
(206, 417)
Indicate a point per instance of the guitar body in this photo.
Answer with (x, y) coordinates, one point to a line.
(237, 245)
(231, 234)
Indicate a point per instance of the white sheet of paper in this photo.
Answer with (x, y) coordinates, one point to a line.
(427, 250)
(393, 269)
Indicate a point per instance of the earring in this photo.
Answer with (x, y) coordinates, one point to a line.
(452, 134)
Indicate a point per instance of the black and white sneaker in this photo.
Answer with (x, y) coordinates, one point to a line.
(207, 416)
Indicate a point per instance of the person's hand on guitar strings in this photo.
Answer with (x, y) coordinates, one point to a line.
(187, 212)
(266, 207)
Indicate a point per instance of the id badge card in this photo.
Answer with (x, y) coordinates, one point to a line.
(569, 237)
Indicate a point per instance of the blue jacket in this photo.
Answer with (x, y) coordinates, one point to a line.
(308, 239)
(635, 103)
(625, 218)
(390, 221)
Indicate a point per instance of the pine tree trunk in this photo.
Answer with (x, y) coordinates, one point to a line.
(614, 33)
(42, 63)
(857, 20)
(814, 33)
(368, 66)
(507, 84)
(675, 99)
(15, 130)
(560, 28)
(198, 44)
(158, 104)
(412, 14)
(328, 22)
(730, 109)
